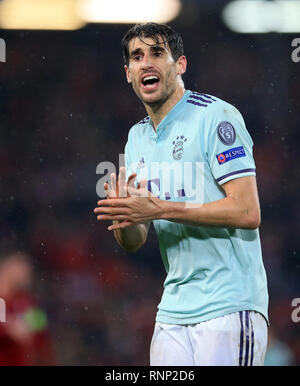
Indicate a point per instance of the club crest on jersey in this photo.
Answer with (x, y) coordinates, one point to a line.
(226, 133)
(178, 147)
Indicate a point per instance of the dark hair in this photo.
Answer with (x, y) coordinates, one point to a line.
(154, 31)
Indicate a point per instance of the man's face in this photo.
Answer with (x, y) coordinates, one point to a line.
(152, 70)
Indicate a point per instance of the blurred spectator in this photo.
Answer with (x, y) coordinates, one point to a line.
(24, 338)
(278, 352)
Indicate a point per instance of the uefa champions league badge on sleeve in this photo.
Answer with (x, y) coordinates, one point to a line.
(226, 133)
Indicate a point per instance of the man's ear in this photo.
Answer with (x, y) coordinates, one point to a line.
(181, 65)
(128, 76)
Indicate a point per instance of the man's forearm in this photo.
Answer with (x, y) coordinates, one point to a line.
(226, 212)
(132, 237)
(238, 209)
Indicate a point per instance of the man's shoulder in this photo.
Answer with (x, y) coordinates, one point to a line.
(137, 130)
(143, 121)
(139, 126)
(205, 103)
(208, 109)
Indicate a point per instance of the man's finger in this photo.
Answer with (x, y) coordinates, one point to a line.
(131, 179)
(108, 217)
(109, 192)
(113, 182)
(142, 183)
(133, 191)
(111, 210)
(115, 202)
(121, 182)
(121, 225)
(139, 192)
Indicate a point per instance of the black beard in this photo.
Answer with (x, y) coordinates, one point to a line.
(155, 105)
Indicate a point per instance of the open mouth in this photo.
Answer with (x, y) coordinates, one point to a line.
(150, 82)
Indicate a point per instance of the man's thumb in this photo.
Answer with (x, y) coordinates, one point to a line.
(142, 184)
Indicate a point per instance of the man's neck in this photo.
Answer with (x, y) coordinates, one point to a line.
(158, 112)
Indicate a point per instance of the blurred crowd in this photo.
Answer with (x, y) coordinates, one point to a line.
(77, 298)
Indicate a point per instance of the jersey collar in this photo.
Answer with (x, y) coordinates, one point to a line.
(170, 116)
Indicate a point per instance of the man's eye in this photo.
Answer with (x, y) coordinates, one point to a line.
(137, 58)
(158, 53)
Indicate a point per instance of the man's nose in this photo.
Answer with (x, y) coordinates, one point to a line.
(147, 62)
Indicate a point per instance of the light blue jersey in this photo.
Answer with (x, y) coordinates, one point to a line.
(198, 146)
